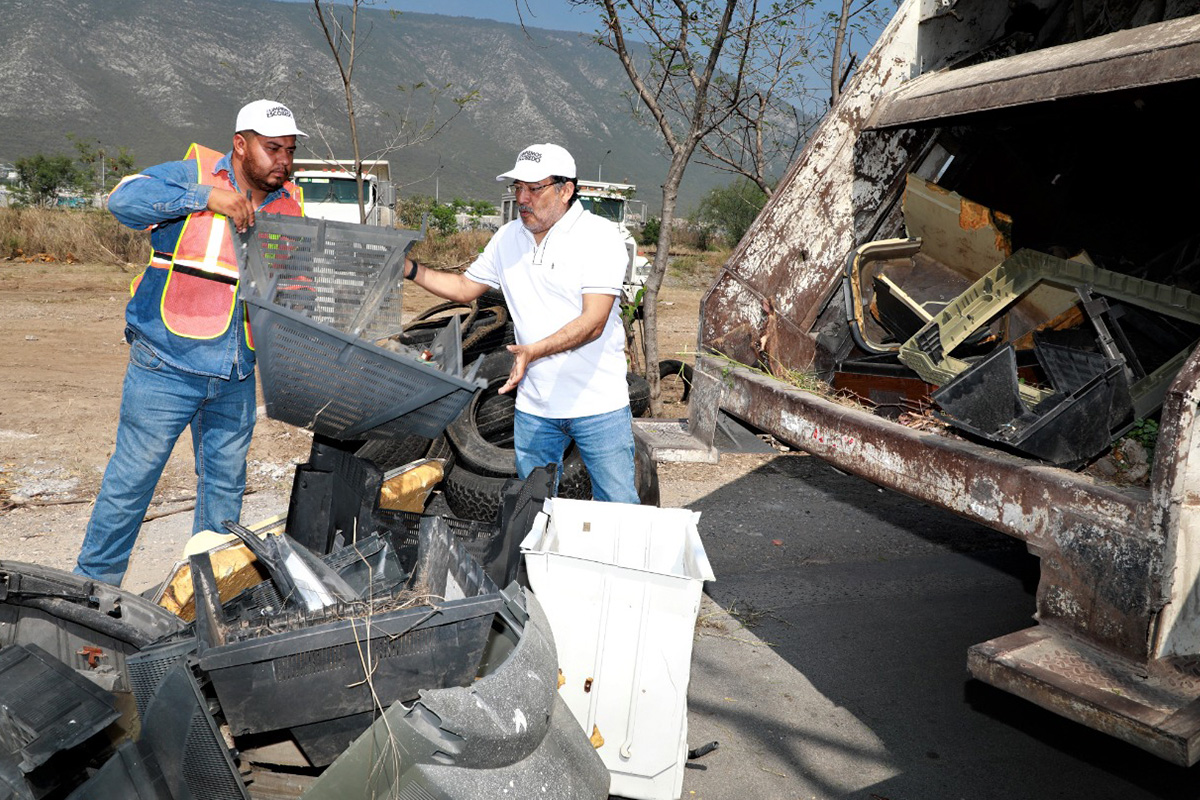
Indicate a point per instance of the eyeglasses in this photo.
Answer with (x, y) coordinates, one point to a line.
(517, 187)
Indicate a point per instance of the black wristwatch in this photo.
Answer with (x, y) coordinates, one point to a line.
(412, 273)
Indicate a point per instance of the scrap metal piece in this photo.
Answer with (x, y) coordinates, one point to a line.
(854, 293)
(1152, 54)
(509, 734)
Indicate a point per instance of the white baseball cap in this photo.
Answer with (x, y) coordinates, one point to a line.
(267, 118)
(540, 161)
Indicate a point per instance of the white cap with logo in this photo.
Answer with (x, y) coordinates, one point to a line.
(540, 161)
(267, 118)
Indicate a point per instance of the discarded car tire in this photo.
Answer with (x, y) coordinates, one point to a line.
(639, 394)
(670, 368)
(495, 419)
(482, 433)
(471, 495)
(391, 453)
(577, 484)
(474, 451)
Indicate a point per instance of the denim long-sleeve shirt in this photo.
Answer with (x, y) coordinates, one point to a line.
(161, 198)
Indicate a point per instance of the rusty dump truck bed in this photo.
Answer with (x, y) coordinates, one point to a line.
(1056, 124)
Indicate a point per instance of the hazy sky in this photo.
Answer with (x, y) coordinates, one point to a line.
(563, 15)
(557, 15)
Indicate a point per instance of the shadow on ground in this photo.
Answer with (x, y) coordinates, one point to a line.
(865, 602)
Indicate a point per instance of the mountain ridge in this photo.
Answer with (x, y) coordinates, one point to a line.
(137, 73)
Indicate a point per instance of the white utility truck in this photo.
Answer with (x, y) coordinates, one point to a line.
(331, 191)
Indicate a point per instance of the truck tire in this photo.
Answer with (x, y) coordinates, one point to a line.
(474, 451)
(484, 427)
(473, 496)
(391, 453)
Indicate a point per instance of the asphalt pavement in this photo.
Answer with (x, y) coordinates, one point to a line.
(830, 659)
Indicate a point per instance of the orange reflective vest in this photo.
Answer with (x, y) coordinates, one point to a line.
(200, 295)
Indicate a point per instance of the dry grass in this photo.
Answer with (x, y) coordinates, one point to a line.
(51, 234)
(95, 237)
(689, 266)
(455, 251)
(698, 269)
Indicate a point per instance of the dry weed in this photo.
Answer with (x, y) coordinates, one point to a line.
(455, 251)
(69, 235)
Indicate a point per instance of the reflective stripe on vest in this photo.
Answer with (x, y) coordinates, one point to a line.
(200, 295)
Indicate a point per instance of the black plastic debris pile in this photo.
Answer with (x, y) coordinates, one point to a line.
(1045, 356)
(376, 657)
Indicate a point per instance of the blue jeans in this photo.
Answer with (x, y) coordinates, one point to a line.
(605, 442)
(157, 403)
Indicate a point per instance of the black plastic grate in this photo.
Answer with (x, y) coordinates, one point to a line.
(339, 274)
(319, 295)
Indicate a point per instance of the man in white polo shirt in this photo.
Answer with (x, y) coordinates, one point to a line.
(560, 268)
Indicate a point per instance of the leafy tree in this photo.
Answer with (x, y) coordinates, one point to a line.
(650, 231)
(729, 210)
(41, 178)
(443, 218)
(100, 170)
(411, 210)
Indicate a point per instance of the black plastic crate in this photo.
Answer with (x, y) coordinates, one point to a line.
(319, 294)
(299, 669)
(1067, 429)
(481, 539)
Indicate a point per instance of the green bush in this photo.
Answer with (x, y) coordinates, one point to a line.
(729, 210)
(650, 231)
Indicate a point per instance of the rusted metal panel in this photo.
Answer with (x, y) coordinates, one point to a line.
(1102, 584)
(1155, 710)
(1008, 493)
(1176, 510)
(1102, 558)
(1164, 52)
(776, 279)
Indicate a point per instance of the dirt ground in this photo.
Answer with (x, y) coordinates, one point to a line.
(64, 356)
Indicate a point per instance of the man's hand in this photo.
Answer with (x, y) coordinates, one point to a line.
(521, 358)
(585, 328)
(234, 206)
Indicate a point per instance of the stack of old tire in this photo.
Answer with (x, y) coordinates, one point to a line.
(478, 445)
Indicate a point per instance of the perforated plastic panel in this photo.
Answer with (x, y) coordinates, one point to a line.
(319, 295)
(339, 386)
(339, 274)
